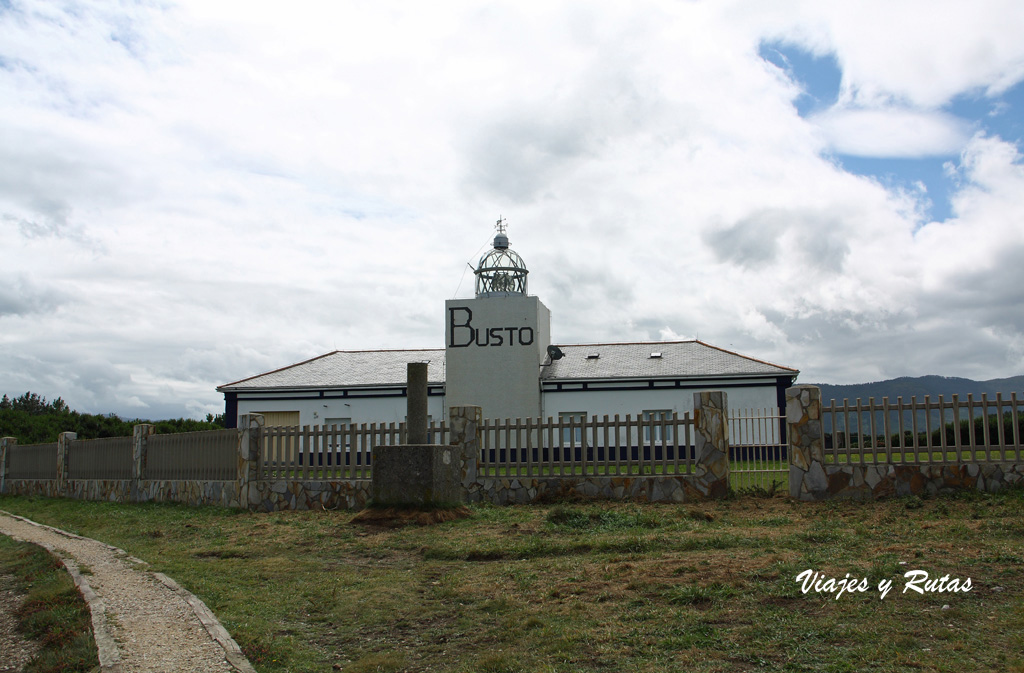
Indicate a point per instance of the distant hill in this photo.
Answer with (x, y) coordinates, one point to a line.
(920, 386)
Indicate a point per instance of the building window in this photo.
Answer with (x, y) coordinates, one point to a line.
(279, 418)
(574, 434)
(658, 415)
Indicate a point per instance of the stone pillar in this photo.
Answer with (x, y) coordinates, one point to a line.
(464, 425)
(416, 403)
(250, 441)
(807, 479)
(424, 475)
(140, 433)
(5, 460)
(63, 444)
(711, 422)
(427, 475)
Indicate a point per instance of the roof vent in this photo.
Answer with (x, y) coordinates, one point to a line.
(593, 356)
(655, 356)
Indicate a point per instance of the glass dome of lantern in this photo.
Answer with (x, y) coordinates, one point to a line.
(501, 272)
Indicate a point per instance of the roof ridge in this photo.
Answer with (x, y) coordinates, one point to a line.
(385, 350)
(326, 355)
(630, 343)
(745, 357)
(279, 369)
(619, 360)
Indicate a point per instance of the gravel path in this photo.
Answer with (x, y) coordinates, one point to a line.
(143, 621)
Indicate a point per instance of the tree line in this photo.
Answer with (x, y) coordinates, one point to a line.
(32, 420)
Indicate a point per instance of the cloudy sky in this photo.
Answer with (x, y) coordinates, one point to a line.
(195, 192)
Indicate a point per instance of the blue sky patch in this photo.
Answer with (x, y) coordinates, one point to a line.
(997, 116)
(820, 77)
(904, 174)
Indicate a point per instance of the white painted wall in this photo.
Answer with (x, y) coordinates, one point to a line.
(313, 411)
(635, 402)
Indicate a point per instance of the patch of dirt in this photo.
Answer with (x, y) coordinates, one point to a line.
(393, 517)
(15, 650)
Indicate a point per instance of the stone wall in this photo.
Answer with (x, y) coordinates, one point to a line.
(807, 480)
(316, 495)
(871, 482)
(709, 479)
(811, 478)
(191, 491)
(244, 492)
(711, 422)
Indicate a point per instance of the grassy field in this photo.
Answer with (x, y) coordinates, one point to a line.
(869, 456)
(594, 586)
(53, 613)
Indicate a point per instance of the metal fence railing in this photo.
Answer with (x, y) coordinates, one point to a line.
(33, 461)
(758, 453)
(209, 455)
(106, 458)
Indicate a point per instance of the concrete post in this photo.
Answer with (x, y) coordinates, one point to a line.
(807, 479)
(63, 446)
(6, 444)
(250, 440)
(416, 403)
(464, 425)
(140, 433)
(711, 470)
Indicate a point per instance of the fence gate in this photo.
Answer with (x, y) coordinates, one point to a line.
(757, 448)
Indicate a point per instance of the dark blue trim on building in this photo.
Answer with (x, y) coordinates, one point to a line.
(653, 384)
(781, 384)
(230, 410)
(358, 393)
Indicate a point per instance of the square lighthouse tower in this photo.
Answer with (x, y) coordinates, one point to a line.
(495, 344)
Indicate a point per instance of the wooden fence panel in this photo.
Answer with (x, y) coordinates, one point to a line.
(595, 446)
(943, 432)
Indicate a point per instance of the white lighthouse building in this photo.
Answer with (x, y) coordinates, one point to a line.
(498, 355)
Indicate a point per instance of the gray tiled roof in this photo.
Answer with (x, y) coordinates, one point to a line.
(679, 359)
(342, 369)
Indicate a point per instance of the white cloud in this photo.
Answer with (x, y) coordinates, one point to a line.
(913, 54)
(193, 193)
(892, 132)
